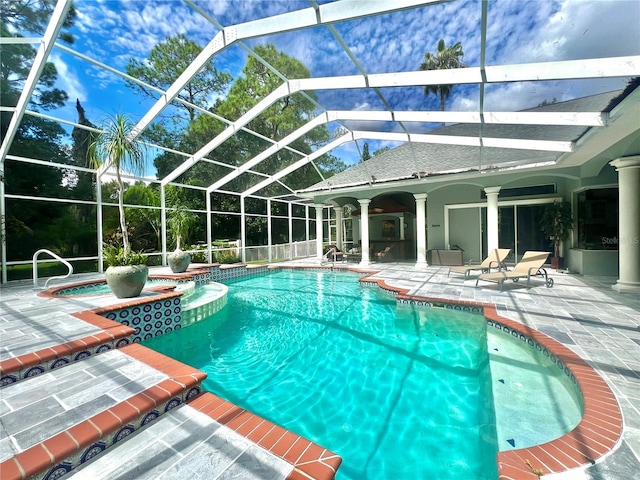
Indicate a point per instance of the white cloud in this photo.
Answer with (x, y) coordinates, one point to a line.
(68, 79)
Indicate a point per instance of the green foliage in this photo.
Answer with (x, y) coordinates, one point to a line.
(116, 256)
(32, 16)
(180, 222)
(29, 17)
(282, 118)
(446, 58)
(557, 222)
(380, 151)
(365, 152)
(165, 64)
(145, 222)
(35, 137)
(199, 254)
(117, 145)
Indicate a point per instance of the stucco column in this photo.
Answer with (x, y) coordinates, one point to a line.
(318, 232)
(492, 218)
(338, 211)
(421, 227)
(629, 224)
(364, 230)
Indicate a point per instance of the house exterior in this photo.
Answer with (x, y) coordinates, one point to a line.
(427, 198)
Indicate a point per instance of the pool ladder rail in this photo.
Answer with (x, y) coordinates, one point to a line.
(57, 277)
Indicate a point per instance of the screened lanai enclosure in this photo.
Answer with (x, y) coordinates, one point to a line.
(247, 109)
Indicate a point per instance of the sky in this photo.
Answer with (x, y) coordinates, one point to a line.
(519, 31)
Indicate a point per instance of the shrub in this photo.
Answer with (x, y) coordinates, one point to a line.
(114, 256)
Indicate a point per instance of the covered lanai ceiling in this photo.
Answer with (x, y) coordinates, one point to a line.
(364, 59)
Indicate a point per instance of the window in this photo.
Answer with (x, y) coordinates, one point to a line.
(524, 191)
(597, 219)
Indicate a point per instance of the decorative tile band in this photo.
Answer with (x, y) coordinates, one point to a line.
(111, 335)
(431, 303)
(61, 361)
(87, 453)
(61, 453)
(203, 311)
(151, 319)
(534, 345)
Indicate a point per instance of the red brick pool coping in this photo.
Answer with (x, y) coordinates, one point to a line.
(309, 460)
(597, 434)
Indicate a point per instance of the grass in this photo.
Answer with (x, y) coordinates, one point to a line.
(50, 269)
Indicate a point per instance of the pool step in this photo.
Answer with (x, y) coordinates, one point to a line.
(214, 439)
(54, 422)
(93, 335)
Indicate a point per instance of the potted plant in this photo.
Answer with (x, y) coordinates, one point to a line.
(180, 222)
(116, 145)
(557, 223)
(127, 274)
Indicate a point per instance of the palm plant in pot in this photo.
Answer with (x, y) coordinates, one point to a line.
(557, 223)
(127, 270)
(180, 222)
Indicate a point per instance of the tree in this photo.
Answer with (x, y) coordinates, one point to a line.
(365, 152)
(446, 58)
(282, 118)
(544, 103)
(180, 222)
(32, 16)
(165, 64)
(380, 151)
(116, 145)
(557, 223)
(145, 222)
(35, 137)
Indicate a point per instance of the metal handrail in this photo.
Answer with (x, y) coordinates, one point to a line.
(57, 257)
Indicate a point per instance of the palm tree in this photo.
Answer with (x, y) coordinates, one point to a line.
(446, 58)
(116, 144)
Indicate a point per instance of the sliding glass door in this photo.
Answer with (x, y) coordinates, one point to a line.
(519, 230)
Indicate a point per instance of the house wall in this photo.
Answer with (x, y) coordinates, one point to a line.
(465, 227)
(436, 201)
(465, 223)
(465, 232)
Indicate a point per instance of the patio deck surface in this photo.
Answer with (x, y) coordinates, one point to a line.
(582, 313)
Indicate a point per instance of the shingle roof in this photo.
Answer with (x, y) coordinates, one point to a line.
(412, 159)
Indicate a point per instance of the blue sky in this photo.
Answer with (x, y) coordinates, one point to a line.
(519, 31)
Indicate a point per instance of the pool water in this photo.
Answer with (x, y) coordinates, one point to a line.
(397, 392)
(192, 296)
(522, 375)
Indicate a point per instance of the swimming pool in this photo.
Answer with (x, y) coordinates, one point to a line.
(398, 392)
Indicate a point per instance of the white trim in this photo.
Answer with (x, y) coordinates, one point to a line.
(594, 187)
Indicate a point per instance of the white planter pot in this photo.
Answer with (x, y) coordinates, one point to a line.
(127, 281)
(179, 261)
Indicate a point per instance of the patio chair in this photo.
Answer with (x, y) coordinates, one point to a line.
(386, 254)
(530, 265)
(333, 253)
(494, 260)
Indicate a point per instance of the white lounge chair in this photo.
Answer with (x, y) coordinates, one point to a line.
(494, 260)
(530, 265)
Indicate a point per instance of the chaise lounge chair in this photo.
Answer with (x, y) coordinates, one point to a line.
(494, 260)
(530, 265)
